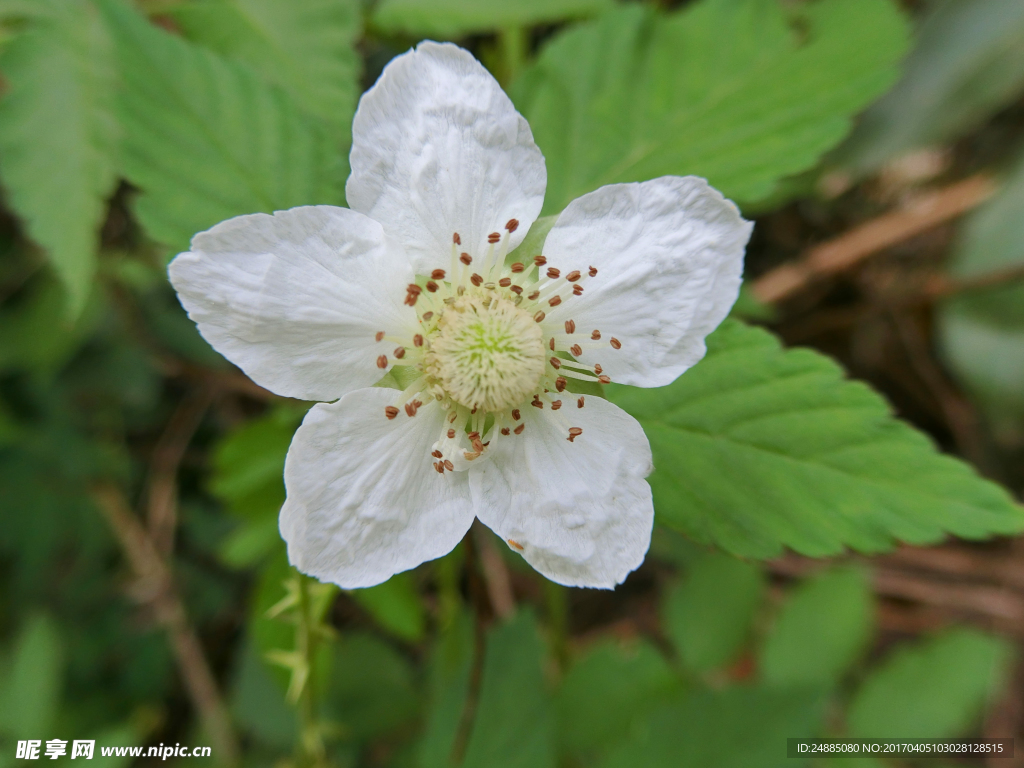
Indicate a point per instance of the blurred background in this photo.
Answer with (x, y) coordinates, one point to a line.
(144, 593)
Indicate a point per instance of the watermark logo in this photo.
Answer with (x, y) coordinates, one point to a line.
(33, 749)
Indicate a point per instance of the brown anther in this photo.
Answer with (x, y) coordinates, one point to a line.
(505, 430)
(400, 352)
(560, 384)
(472, 411)
(604, 379)
(577, 290)
(554, 301)
(555, 363)
(516, 290)
(533, 296)
(574, 432)
(493, 237)
(427, 315)
(431, 286)
(593, 272)
(519, 430)
(595, 335)
(448, 465)
(598, 368)
(379, 336)
(616, 344)
(437, 274)
(512, 225)
(473, 436)
(466, 259)
(456, 239)
(540, 261)
(570, 326)
(413, 288)
(478, 446)
(390, 411)
(476, 279)
(515, 545)
(517, 267)
(417, 340)
(553, 273)
(470, 456)
(505, 282)
(437, 454)
(537, 402)
(556, 404)
(411, 408)
(452, 417)
(515, 414)
(573, 276)
(551, 343)
(382, 361)
(451, 434)
(439, 467)
(579, 403)
(576, 350)
(410, 299)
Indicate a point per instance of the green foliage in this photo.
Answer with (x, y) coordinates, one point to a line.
(454, 18)
(396, 606)
(30, 694)
(932, 690)
(822, 628)
(709, 615)
(58, 136)
(449, 673)
(631, 96)
(206, 139)
(757, 448)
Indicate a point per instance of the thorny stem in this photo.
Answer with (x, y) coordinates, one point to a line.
(312, 752)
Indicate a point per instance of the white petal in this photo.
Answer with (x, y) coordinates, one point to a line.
(364, 500)
(438, 148)
(581, 512)
(295, 299)
(669, 254)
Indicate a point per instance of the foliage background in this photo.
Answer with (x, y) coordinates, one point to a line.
(144, 594)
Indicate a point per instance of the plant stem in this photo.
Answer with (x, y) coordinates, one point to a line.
(512, 44)
(312, 752)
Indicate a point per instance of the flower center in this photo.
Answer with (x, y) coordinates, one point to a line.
(488, 354)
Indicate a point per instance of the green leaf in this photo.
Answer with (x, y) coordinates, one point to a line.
(396, 606)
(735, 728)
(759, 448)
(58, 137)
(823, 626)
(304, 46)
(724, 89)
(709, 615)
(31, 692)
(513, 726)
(607, 690)
(933, 689)
(449, 672)
(256, 701)
(206, 139)
(455, 18)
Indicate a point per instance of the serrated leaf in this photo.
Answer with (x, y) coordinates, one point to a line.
(757, 448)
(822, 627)
(709, 614)
(58, 137)
(723, 89)
(454, 18)
(206, 139)
(304, 46)
(933, 689)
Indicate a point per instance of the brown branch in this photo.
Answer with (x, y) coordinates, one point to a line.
(154, 587)
(496, 576)
(941, 287)
(833, 256)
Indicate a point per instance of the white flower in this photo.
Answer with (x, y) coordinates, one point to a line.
(318, 303)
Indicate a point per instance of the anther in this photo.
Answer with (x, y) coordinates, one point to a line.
(451, 419)
(448, 465)
(553, 273)
(379, 336)
(439, 467)
(431, 286)
(551, 343)
(537, 402)
(604, 379)
(512, 225)
(515, 545)
(505, 282)
(516, 290)
(554, 301)
(493, 237)
(577, 290)
(616, 344)
(437, 454)
(556, 404)
(598, 368)
(574, 432)
(466, 259)
(576, 350)
(478, 446)
(505, 430)
(570, 326)
(390, 411)
(595, 335)
(456, 239)
(417, 340)
(427, 315)
(411, 408)
(519, 430)
(573, 276)
(515, 414)
(382, 361)
(517, 268)
(400, 352)
(533, 296)
(451, 434)
(560, 384)
(555, 363)
(473, 436)
(413, 288)
(476, 279)
(540, 261)
(437, 274)
(579, 403)
(470, 456)
(593, 272)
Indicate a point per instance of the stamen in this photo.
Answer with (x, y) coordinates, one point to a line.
(533, 296)
(456, 239)
(551, 344)
(466, 259)
(512, 225)
(437, 274)
(540, 261)
(616, 344)
(505, 431)
(574, 432)
(536, 402)
(437, 454)
(476, 280)
(519, 430)
(593, 272)
(577, 290)
(379, 336)
(555, 363)
(439, 467)
(598, 368)
(516, 290)
(431, 286)
(516, 414)
(505, 282)
(493, 237)
(573, 276)
(570, 326)
(427, 315)
(452, 417)
(417, 340)
(553, 273)
(579, 403)
(515, 545)
(595, 335)
(517, 268)
(390, 411)
(560, 384)
(604, 379)
(449, 466)
(400, 353)
(451, 434)
(556, 404)
(576, 350)
(554, 301)
(382, 361)
(411, 408)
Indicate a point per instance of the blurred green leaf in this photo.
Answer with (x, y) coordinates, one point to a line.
(58, 137)
(513, 725)
(449, 671)
(305, 46)
(967, 62)
(30, 696)
(932, 689)
(635, 95)
(206, 139)
(757, 448)
(250, 543)
(735, 728)
(823, 626)
(606, 691)
(396, 606)
(256, 701)
(455, 18)
(710, 613)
